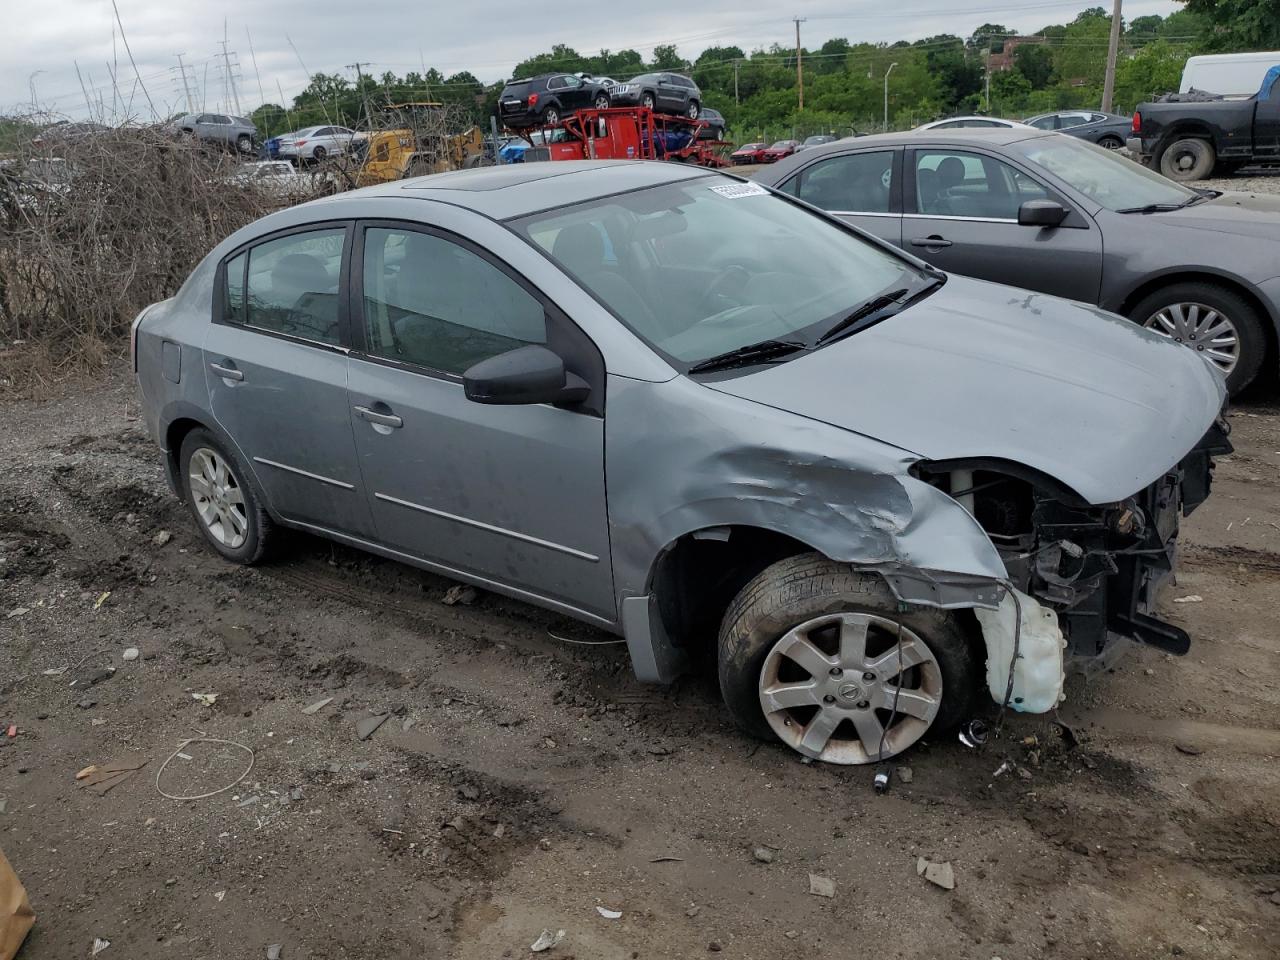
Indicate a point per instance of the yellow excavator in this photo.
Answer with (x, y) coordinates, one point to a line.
(414, 149)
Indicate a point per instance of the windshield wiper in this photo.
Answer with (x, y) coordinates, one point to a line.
(1164, 207)
(761, 352)
(871, 309)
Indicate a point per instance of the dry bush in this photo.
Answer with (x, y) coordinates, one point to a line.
(95, 225)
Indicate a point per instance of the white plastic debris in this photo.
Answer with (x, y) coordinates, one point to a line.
(99, 944)
(1038, 676)
(546, 940)
(939, 874)
(609, 914)
(130, 653)
(1190, 598)
(207, 699)
(822, 886)
(317, 706)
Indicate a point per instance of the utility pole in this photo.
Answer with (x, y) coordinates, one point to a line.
(736, 99)
(31, 82)
(886, 96)
(1113, 51)
(230, 78)
(364, 98)
(182, 69)
(989, 46)
(799, 62)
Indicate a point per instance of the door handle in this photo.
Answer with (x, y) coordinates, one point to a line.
(226, 372)
(934, 241)
(381, 419)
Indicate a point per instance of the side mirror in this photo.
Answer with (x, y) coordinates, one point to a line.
(1041, 213)
(530, 374)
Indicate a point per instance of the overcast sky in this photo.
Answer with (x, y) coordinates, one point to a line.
(43, 40)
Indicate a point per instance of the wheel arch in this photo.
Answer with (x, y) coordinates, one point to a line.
(175, 428)
(1184, 130)
(1217, 278)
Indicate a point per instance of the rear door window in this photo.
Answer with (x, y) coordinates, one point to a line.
(853, 183)
(291, 286)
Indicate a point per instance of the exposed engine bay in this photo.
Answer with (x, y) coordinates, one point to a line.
(1098, 566)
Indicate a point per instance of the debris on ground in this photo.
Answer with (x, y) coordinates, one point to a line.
(1190, 749)
(905, 774)
(130, 654)
(253, 758)
(546, 940)
(974, 733)
(715, 946)
(161, 538)
(460, 593)
(822, 886)
(16, 915)
(17, 612)
(205, 699)
(663, 859)
(273, 951)
(764, 854)
(99, 944)
(1190, 598)
(366, 726)
(609, 914)
(939, 873)
(316, 707)
(104, 778)
(97, 605)
(94, 677)
(12, 731)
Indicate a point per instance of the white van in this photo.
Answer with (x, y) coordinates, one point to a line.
(1230, 74)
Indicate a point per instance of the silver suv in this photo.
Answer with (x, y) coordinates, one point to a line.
(233, 132)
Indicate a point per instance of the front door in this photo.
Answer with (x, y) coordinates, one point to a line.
(861, 188)
(276, 368)
(962, 216)
(510, 494)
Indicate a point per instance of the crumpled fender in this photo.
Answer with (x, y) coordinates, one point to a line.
(680, 458)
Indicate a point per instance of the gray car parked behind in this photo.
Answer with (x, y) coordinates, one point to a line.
(235, 133)
(680, 407)
(1055, 214)
(664, 92)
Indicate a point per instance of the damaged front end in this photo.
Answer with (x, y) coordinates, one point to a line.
(1097, 566)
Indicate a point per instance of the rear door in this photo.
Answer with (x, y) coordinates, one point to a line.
(961, 214)
(861, 187)
(1266, 123)
(671, 96)
(276, 368)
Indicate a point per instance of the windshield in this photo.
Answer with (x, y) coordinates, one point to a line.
(1101, 175)
(706, 266)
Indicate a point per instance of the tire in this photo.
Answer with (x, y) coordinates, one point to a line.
(318, 154)
(1239, 313)
(193, 462)
(693, 110)
(550, 116)
(647, 101)
(1188, 159)
(798, 592)
(602, 101)
(244, 143)
(1110, 143)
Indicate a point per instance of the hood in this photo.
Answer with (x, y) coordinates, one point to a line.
(1244, 214)
(984, 370)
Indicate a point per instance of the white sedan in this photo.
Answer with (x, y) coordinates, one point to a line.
(317, 143)
(970, 122)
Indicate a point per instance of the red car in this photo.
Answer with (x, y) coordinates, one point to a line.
(783, 148)
(747, 153)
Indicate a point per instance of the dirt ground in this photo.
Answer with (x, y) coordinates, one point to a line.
(523, 779)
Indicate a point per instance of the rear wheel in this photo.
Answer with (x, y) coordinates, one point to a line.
(694, 110)
(824, 659)
(550, 116)
(1214, 321)
(1189, 159)
(318, 154)
(1111, 143)
(225, 506)
(244, 143)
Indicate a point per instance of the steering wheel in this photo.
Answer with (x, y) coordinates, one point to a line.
(733, 277)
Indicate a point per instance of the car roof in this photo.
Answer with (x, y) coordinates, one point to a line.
(514, 190)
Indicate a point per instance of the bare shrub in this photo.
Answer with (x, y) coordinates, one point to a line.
(96, 223)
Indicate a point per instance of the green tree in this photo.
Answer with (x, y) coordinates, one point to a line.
(958, 76)
(562, 58)
(1035, 62)
(1142, 27)
(989, 35)
(1239, 24)
(1009, 93)
(1082, 55)
(665, 57)
(1153, 70)
(832, 56)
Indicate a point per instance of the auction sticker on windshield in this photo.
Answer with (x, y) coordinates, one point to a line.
(735, 191)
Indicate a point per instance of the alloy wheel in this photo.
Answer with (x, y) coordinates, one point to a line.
(217, 497)
(850, 688)
(1201, 327)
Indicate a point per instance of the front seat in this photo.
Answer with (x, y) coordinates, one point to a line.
(580, 250)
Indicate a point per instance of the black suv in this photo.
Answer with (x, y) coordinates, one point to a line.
(664, 92)
(549, 98)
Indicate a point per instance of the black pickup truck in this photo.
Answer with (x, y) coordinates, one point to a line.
(1190, 137)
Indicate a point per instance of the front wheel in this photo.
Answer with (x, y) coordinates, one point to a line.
(318, 154)
(823, 658)
(647, 101)
(694, 110)
(602, 101)
(1190, 159)
(244, 143)
(1216, 322)
(225, 506)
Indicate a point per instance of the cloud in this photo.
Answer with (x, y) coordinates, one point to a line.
(486, 37)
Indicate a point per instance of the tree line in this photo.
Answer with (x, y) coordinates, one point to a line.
(1058, 67)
